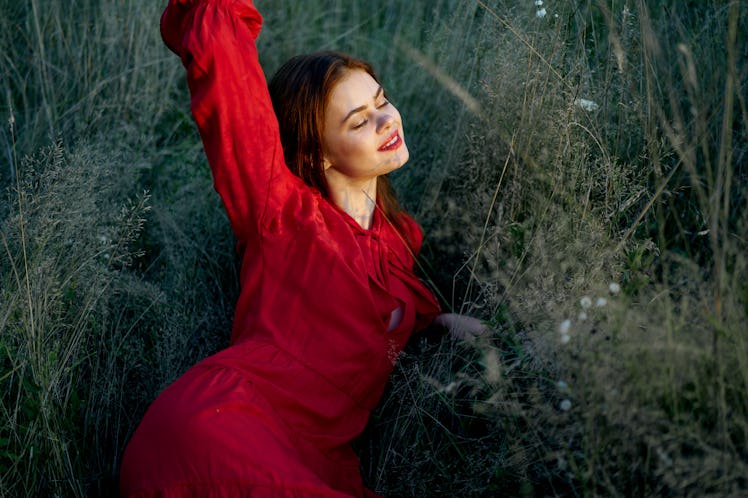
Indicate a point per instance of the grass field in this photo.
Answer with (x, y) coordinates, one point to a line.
(580, 169)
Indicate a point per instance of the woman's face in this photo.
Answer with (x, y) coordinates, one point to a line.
(363, 133)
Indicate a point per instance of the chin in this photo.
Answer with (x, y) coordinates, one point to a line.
(404, 156)
(396, 165)
(396, 161)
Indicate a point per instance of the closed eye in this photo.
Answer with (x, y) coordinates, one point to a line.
(363, 122)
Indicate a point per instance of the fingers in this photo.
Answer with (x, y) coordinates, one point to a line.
(466, 327)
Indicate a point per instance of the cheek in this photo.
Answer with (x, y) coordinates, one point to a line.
(334, 148)
(342, 151)
(350, 146)
(398, 117)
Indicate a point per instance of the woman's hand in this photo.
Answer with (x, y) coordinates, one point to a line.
(462, 326)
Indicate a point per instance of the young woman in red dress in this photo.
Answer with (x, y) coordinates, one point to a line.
(328, 294)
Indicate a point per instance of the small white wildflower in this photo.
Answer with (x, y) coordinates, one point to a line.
(582, 316)
(540, 13)
(587, 105)
(585, 302)
(565, 338)
(562, 385)
(564, 327)
(614, 288)
(565, 405)
(106, 255)
(601, 302)
(102, 239)
(538, 3)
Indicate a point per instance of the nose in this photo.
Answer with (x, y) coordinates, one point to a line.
(385, 120)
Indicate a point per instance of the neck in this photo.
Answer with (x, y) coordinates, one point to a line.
(358, 199)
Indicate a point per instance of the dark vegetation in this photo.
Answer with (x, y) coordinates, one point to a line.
(581, 178)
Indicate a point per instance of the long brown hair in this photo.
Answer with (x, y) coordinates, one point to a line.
(300, 91)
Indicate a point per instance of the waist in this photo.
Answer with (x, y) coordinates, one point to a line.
(302, 398)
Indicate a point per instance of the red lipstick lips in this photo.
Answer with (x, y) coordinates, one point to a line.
(393, 142)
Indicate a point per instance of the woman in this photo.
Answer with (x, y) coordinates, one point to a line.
(328, 296)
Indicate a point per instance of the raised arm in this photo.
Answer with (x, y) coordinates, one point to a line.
(230, 103)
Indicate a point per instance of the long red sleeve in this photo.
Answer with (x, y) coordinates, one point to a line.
(231, 105)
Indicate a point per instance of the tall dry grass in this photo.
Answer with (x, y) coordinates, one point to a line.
(551, 156)
(116, 263)
(614, 154)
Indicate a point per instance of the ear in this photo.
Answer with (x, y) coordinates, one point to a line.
(326, 164)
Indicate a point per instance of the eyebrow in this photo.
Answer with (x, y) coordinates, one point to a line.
(362, 107)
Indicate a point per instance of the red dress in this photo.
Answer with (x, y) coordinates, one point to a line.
(273, 415)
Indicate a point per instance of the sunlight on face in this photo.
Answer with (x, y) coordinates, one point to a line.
(363, 134)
